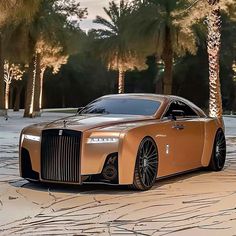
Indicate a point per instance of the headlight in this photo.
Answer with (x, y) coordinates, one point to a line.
(103, 140)
(31, 137)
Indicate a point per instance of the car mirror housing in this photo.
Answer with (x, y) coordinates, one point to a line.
(172, 117)
(176, 113)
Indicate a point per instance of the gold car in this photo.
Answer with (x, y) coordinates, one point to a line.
(129, 139)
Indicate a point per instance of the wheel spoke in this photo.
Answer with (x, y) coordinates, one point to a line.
(153, 157)
(146, 148)
(151, 150)
(152, 170)
(144, 178)
(152, 166)
(147, 177)
(153, 153)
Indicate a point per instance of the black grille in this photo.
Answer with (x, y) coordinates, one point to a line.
(60, 155)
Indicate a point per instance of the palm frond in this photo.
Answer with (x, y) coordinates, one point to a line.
(110, 40)
(102, 21)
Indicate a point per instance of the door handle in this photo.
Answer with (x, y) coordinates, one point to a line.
(178, 127)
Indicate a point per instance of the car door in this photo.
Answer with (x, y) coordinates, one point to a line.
(186, 137)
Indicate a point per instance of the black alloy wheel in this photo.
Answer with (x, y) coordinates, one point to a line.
(146, 165)
(219, 152)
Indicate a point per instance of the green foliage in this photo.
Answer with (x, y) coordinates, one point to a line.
(111, 41)
(51, 23)
(130, 31)
(13, 11)
(150, 22)
(81, 80)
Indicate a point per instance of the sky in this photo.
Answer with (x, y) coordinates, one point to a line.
(95, 7)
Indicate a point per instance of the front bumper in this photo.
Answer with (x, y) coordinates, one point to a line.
(55, 159)
(108, 175)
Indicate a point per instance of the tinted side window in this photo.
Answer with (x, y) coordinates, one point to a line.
(177, 105)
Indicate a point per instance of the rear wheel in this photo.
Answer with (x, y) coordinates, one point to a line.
(218, 156)
(146, 165)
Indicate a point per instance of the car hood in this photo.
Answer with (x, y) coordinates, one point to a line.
(86, 122)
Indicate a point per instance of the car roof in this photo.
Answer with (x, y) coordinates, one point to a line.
(147, 96)
(139, 95)
(157, 97)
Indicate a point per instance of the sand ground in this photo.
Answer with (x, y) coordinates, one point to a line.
(199, 203)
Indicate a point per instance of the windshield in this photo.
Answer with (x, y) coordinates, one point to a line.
(126, 106)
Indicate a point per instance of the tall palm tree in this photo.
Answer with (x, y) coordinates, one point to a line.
(154, 23)
(212, 9)
(48, 56)
(3, 111)
(111, 41)
(51, 24)
(11, 72)
(213, 48)
(12, 11)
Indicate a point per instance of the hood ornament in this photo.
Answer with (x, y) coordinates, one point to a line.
(65, 123)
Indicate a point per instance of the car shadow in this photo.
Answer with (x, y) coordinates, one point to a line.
(101, 188)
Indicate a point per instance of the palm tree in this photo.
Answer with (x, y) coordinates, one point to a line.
(12, 11)
(48, 56)
(213, 48)
(154, 23)
(52, 25)
(11, 72)
(51, 22)
(212, 9)
(111, 42)
(2, 104)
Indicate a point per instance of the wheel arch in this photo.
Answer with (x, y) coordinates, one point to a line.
(211, 128)
(128, 153)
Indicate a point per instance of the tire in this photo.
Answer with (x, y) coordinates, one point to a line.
(146, 166)
(218, 156)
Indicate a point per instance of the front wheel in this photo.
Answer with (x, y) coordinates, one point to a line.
(218, 156)
(146, 165)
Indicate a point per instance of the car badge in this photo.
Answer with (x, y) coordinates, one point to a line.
(60, 132)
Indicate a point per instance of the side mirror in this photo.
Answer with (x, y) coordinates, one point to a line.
(80, 109)
(176, 113)
(172, 117)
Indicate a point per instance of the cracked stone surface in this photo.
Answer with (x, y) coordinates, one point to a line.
(199, 203)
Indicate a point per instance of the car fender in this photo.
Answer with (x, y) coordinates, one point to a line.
(128, 150)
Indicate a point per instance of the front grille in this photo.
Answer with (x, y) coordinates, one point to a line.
(60, 155)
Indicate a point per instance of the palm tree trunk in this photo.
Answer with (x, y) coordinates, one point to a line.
(41, 88)
(159, 86)
(11, 98)
(17, 98)
(37, 85)
(7, 90)
(213, 47)
(3, 111)
(167, 58)
(30, 89)
(121, 80)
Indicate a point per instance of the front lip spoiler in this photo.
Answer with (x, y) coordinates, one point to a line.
(74, 184)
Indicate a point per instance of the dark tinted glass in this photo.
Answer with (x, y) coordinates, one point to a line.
(180, 106)
(122, 106)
